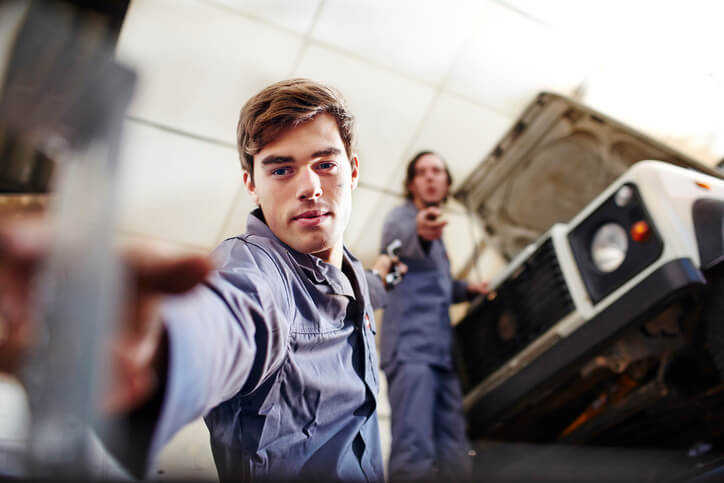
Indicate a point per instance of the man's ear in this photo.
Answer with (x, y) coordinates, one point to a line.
(249, 182)
(410, 188)
(355, 170)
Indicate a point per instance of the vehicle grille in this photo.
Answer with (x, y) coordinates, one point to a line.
(527, 304)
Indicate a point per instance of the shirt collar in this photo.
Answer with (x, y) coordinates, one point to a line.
(410, 206)
(316, 269)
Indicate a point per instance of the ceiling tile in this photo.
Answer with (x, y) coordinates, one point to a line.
(175, 188)
(388, 107)
(364, 232)
(512, 58)
(419, 38)
(462, 132)
(296, 15)
(198, 63)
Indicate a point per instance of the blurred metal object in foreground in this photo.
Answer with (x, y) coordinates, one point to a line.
(64, 97)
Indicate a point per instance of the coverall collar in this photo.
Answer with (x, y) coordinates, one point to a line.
(314, 267)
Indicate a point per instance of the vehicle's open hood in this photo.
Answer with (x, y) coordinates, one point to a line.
(553, 161)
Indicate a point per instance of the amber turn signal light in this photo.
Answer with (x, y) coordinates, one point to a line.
(640, 231)
(701, 184)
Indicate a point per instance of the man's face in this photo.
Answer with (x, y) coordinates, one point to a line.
(429, 185)
(303, 182)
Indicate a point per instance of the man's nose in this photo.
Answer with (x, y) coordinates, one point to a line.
(310, 186)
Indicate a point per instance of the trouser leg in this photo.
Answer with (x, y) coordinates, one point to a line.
(451, 443)
(412, 389)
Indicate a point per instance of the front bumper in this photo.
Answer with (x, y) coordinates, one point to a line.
(666, 284)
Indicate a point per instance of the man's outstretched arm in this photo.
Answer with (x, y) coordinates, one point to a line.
(172, 360)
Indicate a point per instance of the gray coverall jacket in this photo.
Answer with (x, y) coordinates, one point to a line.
(276, 349)
(416, 324)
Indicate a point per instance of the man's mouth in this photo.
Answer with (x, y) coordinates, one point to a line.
(432, 191)
(311, 217)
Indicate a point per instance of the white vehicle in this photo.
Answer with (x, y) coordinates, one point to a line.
(608, 328)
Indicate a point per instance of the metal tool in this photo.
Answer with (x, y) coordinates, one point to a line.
(394, 276)
(66, 97)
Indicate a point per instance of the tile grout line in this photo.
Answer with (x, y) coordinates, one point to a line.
(179, 132)
(250, 16)
(307, 40)
(512, 8)
(364, 60)
(482, 105)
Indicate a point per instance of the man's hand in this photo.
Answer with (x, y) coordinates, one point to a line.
(134, 348)
(383, 265)
(478, 288)
(429, 223)
(21, 247)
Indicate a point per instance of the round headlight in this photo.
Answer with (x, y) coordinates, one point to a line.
(609, 247)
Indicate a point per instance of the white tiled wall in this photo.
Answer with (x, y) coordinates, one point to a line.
(176, 188)
(198, 63)
(452, 119)
(417, 38)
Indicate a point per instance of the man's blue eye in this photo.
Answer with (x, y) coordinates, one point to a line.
(280, 171)
(326, 165)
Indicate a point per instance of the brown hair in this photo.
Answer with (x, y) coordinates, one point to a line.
(284, 105)
(411, 172)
